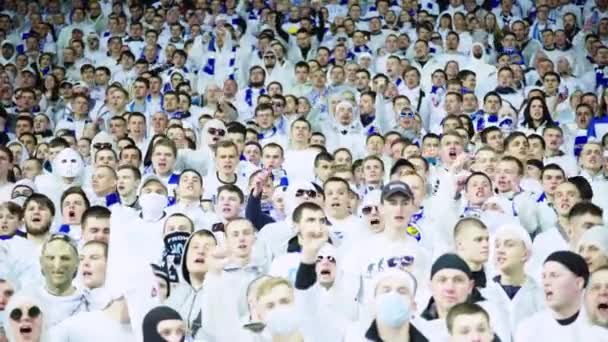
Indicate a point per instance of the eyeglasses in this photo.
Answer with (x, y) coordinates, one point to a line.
(405, 114)
(32, 313)
(329, 258)
(403, 261)
(368, 209)
(101, 146)
(216, 131)
(309, 193)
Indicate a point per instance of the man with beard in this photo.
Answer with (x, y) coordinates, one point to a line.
(39, 213)
(596, 297)
(247, 98)
(527, 46)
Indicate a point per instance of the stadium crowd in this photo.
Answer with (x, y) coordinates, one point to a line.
(304, 170)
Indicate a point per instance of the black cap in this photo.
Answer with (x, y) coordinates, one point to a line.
(572, 261)
(450, 261)
(396, 187)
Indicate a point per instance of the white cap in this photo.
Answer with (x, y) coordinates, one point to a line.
(372, 198)
(344, 103)
(596, 236)
(514, 231)
(328, 250)
(398, 273)
(149, 178)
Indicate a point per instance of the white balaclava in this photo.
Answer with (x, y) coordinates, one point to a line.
(208, 139)
(344, 104)
(68, 164)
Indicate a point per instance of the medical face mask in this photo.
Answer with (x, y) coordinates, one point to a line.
(393, 309)
(68, 164)
(282, 321)
(152, 205)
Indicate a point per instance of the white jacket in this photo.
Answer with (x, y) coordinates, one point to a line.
(525, 303)
(543, 327)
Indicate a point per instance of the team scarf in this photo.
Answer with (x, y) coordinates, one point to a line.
(484, 122)
(362, 49)
(268, 134)
(209, 68)
(601, 79)
(249, 95)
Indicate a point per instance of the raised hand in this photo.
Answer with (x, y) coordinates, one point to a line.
(312, 241)
(217, 259)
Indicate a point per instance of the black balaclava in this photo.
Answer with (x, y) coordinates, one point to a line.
(155, 316)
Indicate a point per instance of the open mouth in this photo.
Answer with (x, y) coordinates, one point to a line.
(242, 246)
(121, 187)
(25, 330)
(548, 295)
(603, 307)
(325, 272)
(36, 219)
(226, 210)
(375, 222)
(479, 193)
(86, 274)
(199, 260)
(71, 214)
(452, 154)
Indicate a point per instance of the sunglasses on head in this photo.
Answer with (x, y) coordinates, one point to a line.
(329, 258)
(309, 193)
(406, 114)
(403, 261)
(101, 146)
(32, 312)
(216, 131)
(368, 209)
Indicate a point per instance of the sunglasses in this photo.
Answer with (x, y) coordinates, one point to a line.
(101, 146)
(216, 131)
(410, 115)
(24, 193)
(269, 57)
(368, 209)
(329, 258)
(32, 313)
(403, 261)
(309, 193)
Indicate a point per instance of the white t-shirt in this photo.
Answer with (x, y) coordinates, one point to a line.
(211, 183)
(93, 326)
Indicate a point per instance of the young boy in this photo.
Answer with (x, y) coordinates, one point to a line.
(469, 322)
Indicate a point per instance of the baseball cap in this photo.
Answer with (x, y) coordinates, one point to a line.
(394, 188)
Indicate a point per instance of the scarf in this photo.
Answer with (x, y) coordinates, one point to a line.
(249, 95)
(268, 134)
(362, 49)
(485, 121)
(601, 79)
(209, 68)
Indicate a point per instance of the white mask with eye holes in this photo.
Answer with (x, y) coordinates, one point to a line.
(68, 164)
